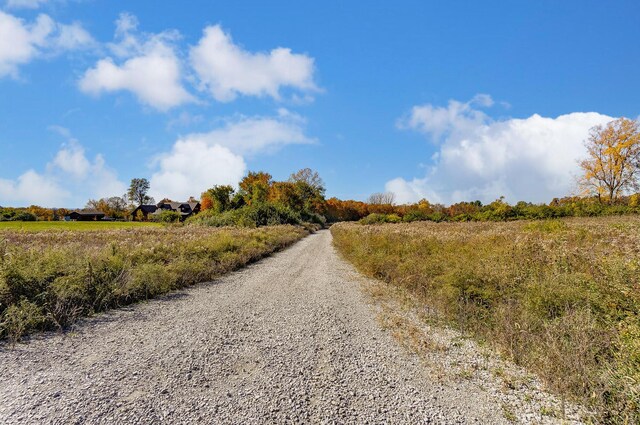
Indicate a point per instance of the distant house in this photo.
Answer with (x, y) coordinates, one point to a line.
(86, 215)
(186, 209)
(143, 211)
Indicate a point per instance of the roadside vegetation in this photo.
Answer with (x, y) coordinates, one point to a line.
(560, 297)
(49, 279)
(39, 226)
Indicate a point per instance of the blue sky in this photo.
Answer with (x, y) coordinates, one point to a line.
(443, 100)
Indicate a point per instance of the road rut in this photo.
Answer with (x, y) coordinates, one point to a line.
(290, 339)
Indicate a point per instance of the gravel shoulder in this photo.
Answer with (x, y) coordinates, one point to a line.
(290, 339)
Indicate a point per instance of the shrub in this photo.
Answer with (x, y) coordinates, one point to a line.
(167, 216)
(256, 215)
(415, 215)
(375, 218)
(20, 319)
(24, 216)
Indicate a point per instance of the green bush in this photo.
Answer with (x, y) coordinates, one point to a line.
(167, 216)
(24, 216)
(375, 218)
(21, 319)
(415, 215)
(256, 215)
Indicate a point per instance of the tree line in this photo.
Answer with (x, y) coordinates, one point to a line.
(609, 184)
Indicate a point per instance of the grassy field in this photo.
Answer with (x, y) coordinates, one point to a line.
(39, 226)
(561, 298)
(48, 279)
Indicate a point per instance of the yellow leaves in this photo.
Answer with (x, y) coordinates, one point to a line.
(614, 158)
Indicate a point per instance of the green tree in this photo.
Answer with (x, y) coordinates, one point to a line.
(310, 190)
(138, 192)
(218, 198)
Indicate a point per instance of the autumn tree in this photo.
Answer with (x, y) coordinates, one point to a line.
(338, 210)
(217, 199)
(286, 193)
(43, 214)
(255, 187)
(138, 192)
(614, 160)
(425, 206)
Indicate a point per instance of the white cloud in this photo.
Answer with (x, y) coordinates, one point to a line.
(152, 69)
(248, 136)
(32, 188)
(226, 70)
(532, 159)
(200, 160)
(22, 42)
(72, 160)
(73, 37)
(69, 180)
(439, 121)
(192, 166)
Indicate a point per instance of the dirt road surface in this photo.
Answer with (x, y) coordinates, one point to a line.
(291, 339)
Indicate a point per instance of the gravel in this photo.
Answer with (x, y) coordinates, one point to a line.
(291, 339)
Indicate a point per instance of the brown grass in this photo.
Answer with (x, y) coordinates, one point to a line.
(561, 298)
(48, 279)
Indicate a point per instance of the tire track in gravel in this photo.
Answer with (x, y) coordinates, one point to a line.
(290, 339)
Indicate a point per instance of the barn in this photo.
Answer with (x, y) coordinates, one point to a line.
(86, 215)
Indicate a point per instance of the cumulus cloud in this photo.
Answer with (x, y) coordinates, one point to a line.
(251, 135)
(32, 188)
(21, 42)
(200, 160)
(69, 180)
(532, 159)
(149, 67)
(192, 166)
(227, 70)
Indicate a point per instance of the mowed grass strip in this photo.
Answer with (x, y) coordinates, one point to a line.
(40, 226)
(50, 279)
(561, 298)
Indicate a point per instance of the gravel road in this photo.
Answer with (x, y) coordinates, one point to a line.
(291, 339)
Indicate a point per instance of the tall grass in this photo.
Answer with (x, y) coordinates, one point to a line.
(49, 279)
(39, 226)
(561, 298)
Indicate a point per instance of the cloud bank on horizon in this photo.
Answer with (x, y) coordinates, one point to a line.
(533, 159)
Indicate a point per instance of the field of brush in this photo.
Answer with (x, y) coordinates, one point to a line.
(560, 297)
(49, 278)
(39, 226)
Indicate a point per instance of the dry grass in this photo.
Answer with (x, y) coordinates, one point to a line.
(40, 226)
(561, 298)
(49, 279)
